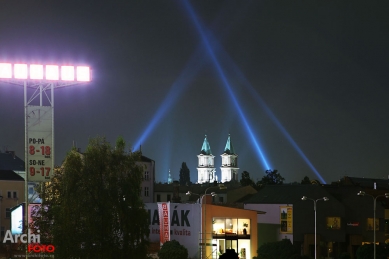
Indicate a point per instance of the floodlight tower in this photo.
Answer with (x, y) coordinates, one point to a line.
(39, 82)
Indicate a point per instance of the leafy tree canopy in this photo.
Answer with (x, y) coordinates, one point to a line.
(184, 174)
(92, 207)
(246, 180)
(173, 250)
(367, 252)
(271, 177)
(306, 180)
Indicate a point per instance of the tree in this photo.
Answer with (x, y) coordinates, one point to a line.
(246, 180)
(367, 252)
(173, 250)
(184, 174)
(271, 178)
(92, 207)
(306, 180)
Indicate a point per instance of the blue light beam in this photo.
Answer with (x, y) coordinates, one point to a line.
(258, 98)
(226, 83)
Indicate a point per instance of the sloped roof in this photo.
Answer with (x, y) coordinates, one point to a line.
(9, 175)
(9, 161)
(370, 183)
(285, 194)
(206, 148)
(229, 149)
(146, 159)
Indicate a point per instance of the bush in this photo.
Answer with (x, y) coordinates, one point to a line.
(367, 252)
(173, 250)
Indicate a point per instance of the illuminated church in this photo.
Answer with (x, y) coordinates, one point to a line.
(206, 163)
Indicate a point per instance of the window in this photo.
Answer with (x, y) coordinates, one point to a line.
(146, 175)
(158, 197)
(2, 231)
(370, 224)
(7, 212)
(221, 199)
(12, 194)
(168, 197)
(333, 222)
(146, 191)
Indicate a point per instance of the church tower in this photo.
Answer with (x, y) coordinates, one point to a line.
(206, 164)
(229, 168)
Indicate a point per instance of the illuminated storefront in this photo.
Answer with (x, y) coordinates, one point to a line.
(229, 228)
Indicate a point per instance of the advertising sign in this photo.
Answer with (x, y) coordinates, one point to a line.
(40, 155)
(17, 215)
(164, 228)
(286, 219)
(184, 224)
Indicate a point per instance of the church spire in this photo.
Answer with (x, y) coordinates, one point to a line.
(229, 149)
(206, 148)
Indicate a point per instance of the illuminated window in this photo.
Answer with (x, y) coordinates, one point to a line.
(369, 225)
(333, 222)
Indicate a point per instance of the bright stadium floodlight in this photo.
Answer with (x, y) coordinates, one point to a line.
(39, 82)
(20, 71)
(52, 72)
(36, 71)
(67, 73)
(83, 74)
(5, 70)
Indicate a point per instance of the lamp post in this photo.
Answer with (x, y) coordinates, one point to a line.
(204, 230)
(189, 193)
(386, 195)
(304, 198)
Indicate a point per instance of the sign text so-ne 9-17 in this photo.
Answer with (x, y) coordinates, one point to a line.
(39, 143)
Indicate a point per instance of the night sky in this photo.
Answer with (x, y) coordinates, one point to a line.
(304, 83)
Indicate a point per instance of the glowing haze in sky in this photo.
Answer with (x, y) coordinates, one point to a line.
(301, 87)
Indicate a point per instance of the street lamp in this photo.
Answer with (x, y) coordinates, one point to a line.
(304, 198)
(189, 193)
(386, 195)
(203, 197)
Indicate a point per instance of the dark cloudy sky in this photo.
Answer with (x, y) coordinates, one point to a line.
(304, 82)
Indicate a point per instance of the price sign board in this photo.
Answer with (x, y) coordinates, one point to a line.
(40, 155)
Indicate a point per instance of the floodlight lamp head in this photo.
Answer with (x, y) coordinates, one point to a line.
(213, 194)
(386, 195)
(361, 193)
(304, 198)
(325, 199)
(189, 193)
